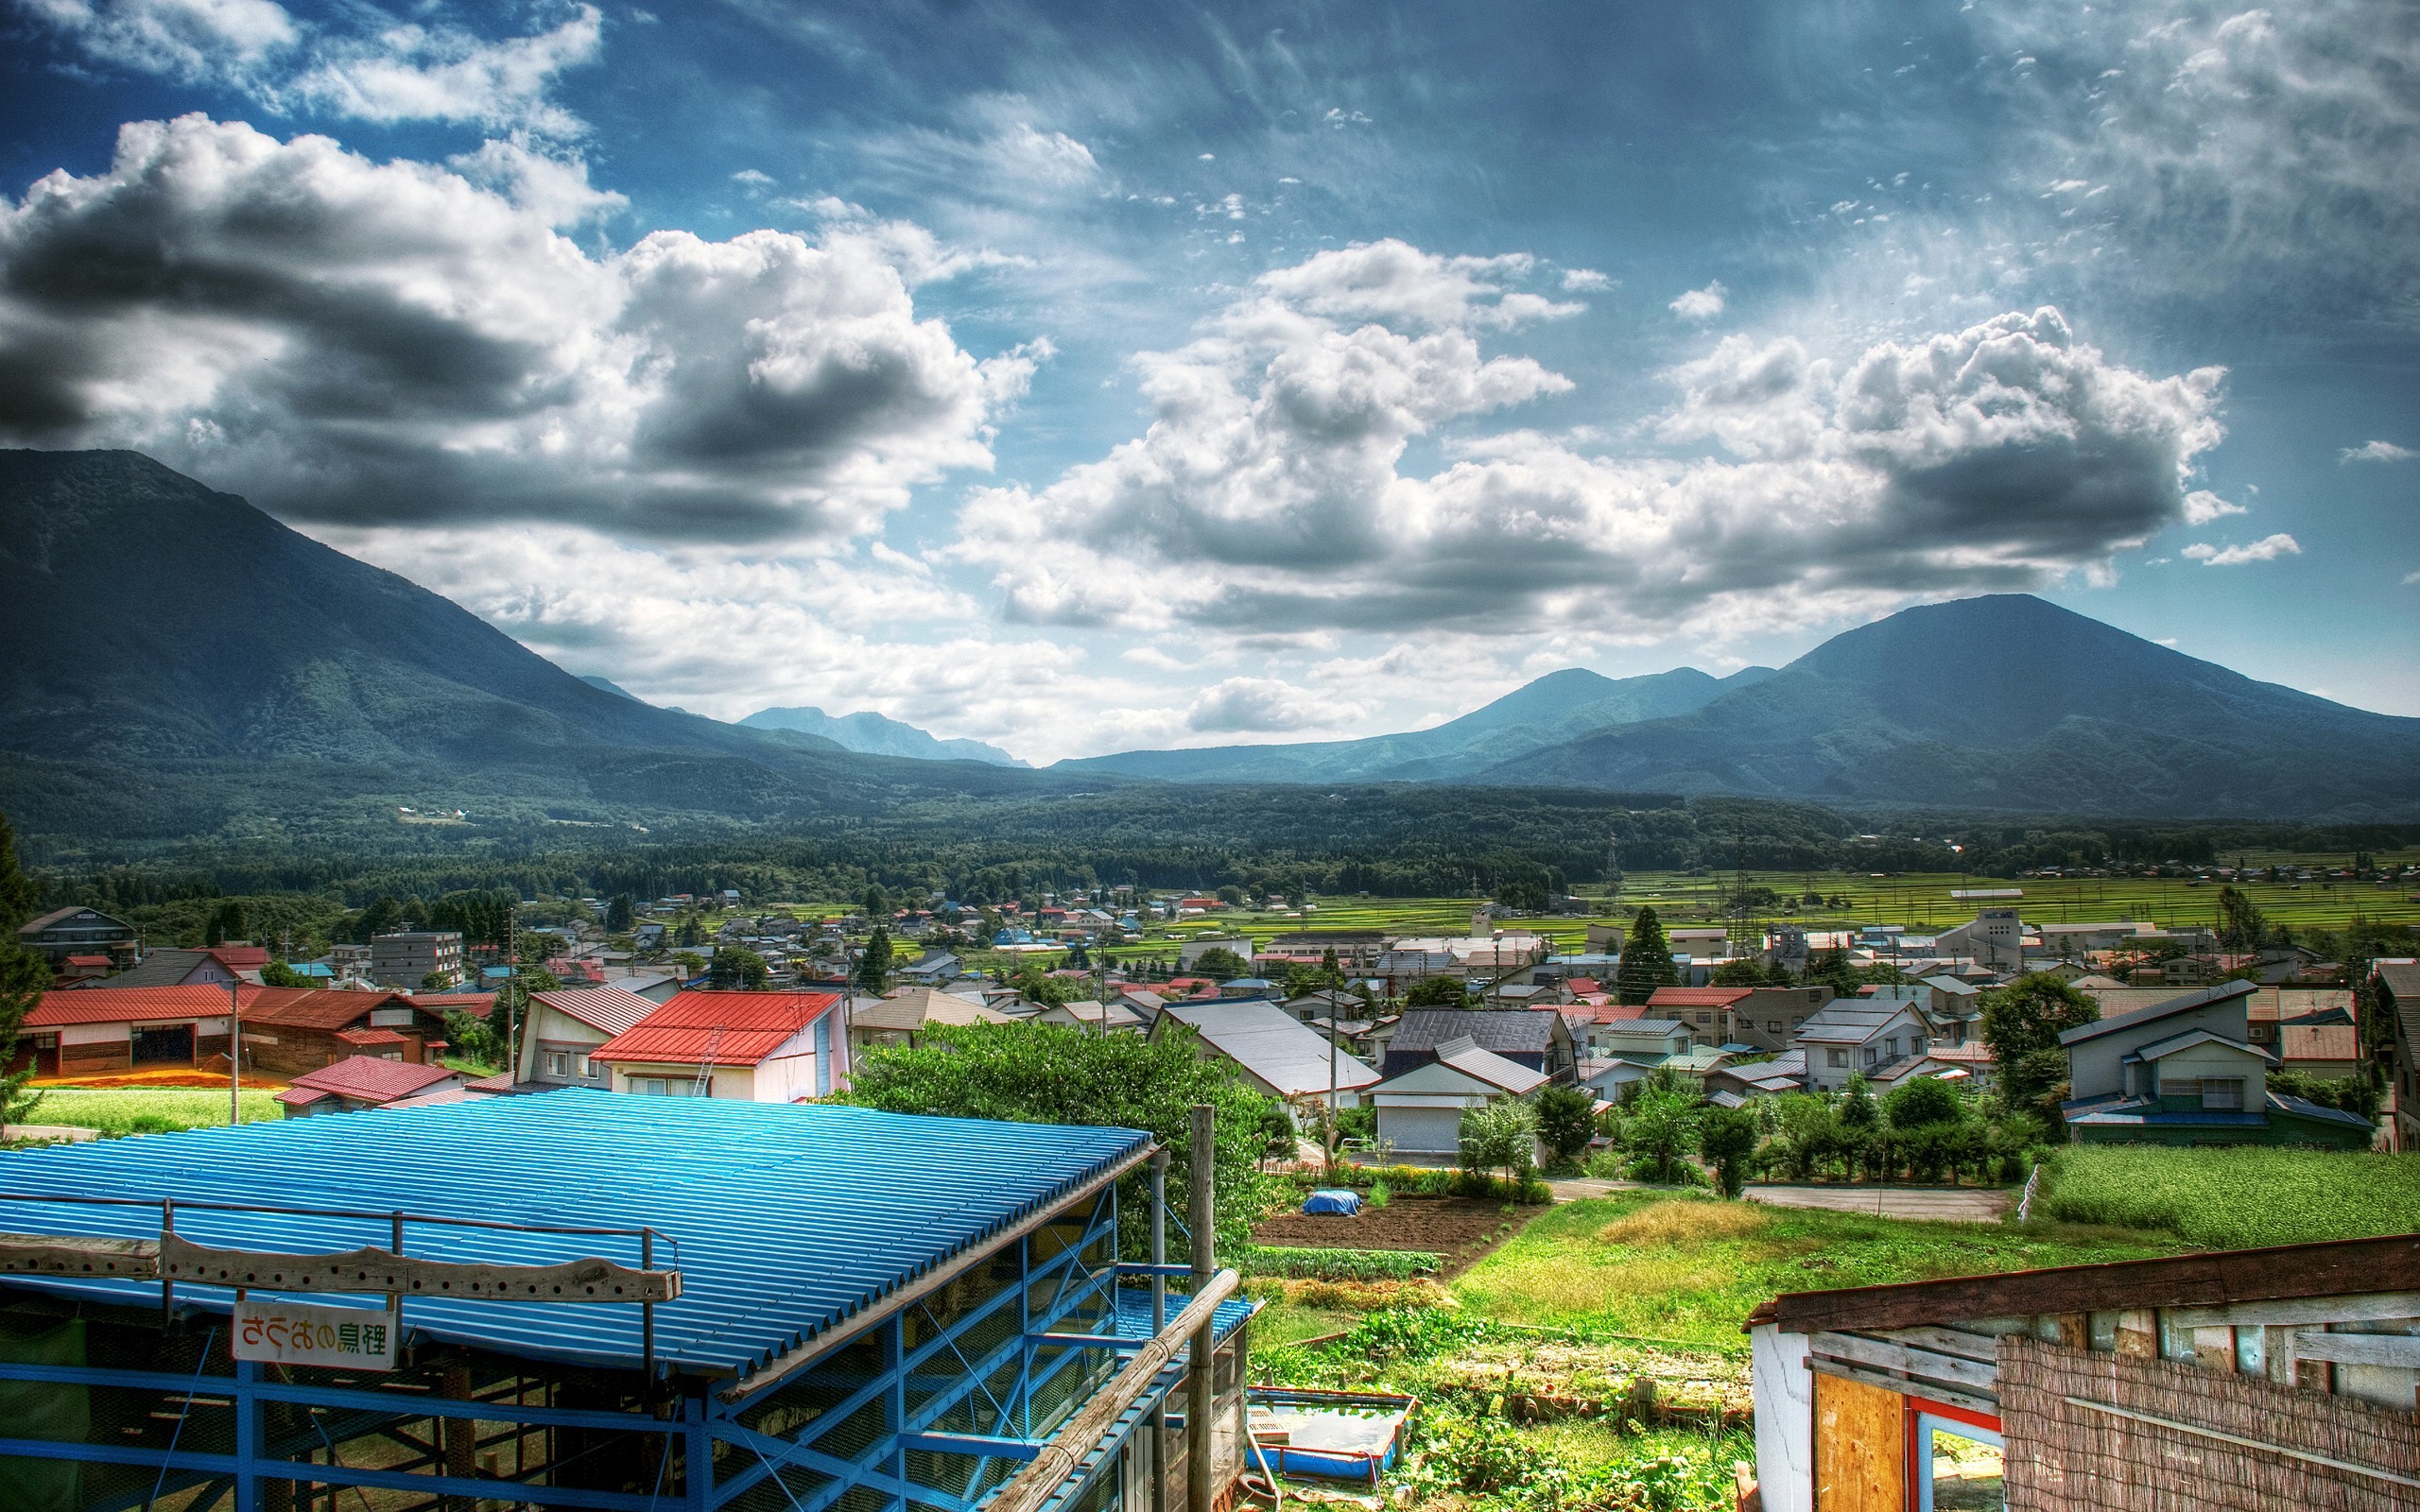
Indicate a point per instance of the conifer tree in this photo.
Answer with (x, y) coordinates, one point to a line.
(24, 975)
(1647, 960)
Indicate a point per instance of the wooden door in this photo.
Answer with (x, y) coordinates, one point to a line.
(1860, 1447)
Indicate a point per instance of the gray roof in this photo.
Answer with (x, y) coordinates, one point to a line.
(2184, 1003)
(1525, 1030)
(1849, 1021)
(1640, 1027)
(161, 968)
(1273, 1044)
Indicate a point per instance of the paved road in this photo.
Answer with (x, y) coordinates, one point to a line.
(47, 1131)
(1945, 1204)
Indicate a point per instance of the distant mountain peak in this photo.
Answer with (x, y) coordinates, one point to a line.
(876, 735)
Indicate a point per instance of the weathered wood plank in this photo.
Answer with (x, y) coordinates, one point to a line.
(1982, 1347)
(1883, 1355)
(2399, 1352)
(1972, 1401)
(2303, 1311)
(78, 1255)
(587, 1279)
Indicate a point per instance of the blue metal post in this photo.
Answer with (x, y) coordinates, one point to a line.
(697, 1456)
(894, 1359)
(248, 1438)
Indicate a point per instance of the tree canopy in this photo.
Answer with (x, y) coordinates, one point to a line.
(23, 976)
(1647, 960)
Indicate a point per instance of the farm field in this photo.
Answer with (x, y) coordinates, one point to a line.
(150, 1109)
(2235, 1198)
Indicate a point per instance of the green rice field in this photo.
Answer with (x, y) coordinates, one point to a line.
(2235, 1198)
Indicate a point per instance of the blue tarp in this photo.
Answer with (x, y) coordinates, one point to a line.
(1332, 1200)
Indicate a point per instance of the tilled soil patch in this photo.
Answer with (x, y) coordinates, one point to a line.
(1462, 1230)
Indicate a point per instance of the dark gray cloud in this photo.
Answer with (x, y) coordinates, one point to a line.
(371, 344)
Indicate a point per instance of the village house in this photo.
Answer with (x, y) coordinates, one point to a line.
(1420, 1110)
(97, 1031)
(73, 932)
(1767, 1018)
(1099, 1018)
(214, 967)
(904, 1016)
(360, 1082)
(2398, 993)
(764, 1047)
(1729, 1085)
(2185, 1072)
(1851, 1037)
(1535, 1038)
(564, 1029)
(1275, 1053)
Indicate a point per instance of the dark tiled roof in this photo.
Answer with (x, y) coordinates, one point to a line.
(1526, 1030)
(2184, 1003)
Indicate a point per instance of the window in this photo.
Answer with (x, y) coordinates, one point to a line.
(581, 1061)
(1836, 1057)
(1890, 1047)
(2223, 1094)
(1958, 1465)
(1773, 1026)
(558, 1064)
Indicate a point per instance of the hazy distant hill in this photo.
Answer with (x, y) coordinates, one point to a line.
(1555, 708)
(179, 661)
(2010, 702)
(870, 732)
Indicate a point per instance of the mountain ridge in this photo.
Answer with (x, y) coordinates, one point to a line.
(877, 735)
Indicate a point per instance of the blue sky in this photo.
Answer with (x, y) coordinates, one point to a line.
(1084, 378)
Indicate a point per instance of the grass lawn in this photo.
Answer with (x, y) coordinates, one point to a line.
(1689, 1270)
(148, 1109)
(2235, 1198)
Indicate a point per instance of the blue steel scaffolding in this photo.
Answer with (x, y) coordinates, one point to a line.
(873, 1312)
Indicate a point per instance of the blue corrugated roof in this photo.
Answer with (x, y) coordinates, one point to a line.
(789, 1219)
(1135, 1313)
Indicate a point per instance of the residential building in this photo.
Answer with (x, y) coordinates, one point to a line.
(75, 931)
(2273, 1377)
(363, 1081)
(214, 967)
(1732, 1084)
(1706, 1010)
(565, 1027)
(2185, 1072)
(2399, 990)
(932, 968)
(1535, 1038)
(904, 1016)
(1952, 1005)
(1851, 1037)
(291, 1030)
(1420, 1110)
(93, 1031)
(406, 958)
(1278, 1055)
(1113, 1018)
(1995, 938)
(764, 1047)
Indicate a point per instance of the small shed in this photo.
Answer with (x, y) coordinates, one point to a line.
(2259, 1378)
(363, 1081)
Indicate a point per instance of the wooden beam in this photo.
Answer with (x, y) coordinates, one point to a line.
(79, 1255)
(383, 1271)
(2303, 1311)
(2396, 1351)
(1064, 1454)
(1924, 1363)
(2339, 1267)
(1972, 1401)
(1965, 1346)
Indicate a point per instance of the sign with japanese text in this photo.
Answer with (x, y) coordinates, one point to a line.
(344, 1338)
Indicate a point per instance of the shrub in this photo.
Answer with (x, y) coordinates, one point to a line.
(1340, 1265)
(2233, 1198)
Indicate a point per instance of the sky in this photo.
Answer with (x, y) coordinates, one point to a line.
(1082, 378)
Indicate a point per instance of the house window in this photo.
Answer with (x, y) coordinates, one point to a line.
(1836, 1059)
(558, 1064)
(581, 1061)
(663, 1086)
(1890, 1047)
(2223, 1094)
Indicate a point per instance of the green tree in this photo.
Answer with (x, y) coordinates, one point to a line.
(1742, 972)
(1859, 1115)
(1832, 970)
(689, 961)
(735, 968)
(1045, 1074)
(435, 981)
(226, 924)
(692, 931)
(2242, 928)
(876, 903)
(619, 914)
(1232, 896)
(1726, 1137)
(1923, 1101)
(874, 964)
(1501, 1135)
(1566, 1121)
(1437, 992)
(2022, 1022)
(1658, 1125)
(472, 1037)
(1220, 964)
(1038, 986)
(1647, 960)
(277, 974)
(23, 976)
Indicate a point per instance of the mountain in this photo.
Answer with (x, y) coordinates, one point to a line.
(180, 664)
(2009, 702)
(1556, 708)
(872, 733)
(612, 687)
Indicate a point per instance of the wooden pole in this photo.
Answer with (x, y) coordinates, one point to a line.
(1202, 1218)
(1159, 1424)
(1047, 1470)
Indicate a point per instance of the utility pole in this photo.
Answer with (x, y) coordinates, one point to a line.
(1200, 1396)
(234, 1050)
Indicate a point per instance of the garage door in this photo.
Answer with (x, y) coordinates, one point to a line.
(1422, 1130)
(153, 1046)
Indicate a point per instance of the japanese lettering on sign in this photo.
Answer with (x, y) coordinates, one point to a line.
(301, 1334)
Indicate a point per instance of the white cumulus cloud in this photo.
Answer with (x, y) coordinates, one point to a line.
(387, 343)
(2201, 507)
(2374, 452)
(2269, 548)
(1243, 704)
(1699, 305)
(1267, 496)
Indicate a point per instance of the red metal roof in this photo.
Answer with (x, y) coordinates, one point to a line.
(372, 1036)
(1697, 997)
(752, 1026)
(129, 1004)
(478, 1004)
(315, 1007)
(369, 1079)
